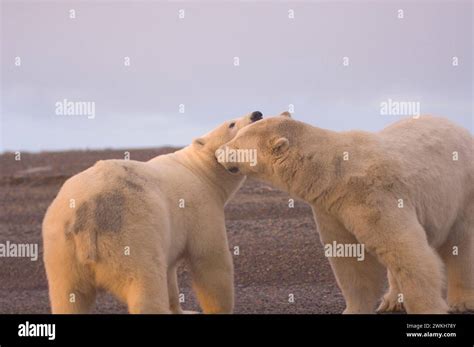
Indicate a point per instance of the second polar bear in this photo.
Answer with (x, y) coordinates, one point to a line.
(406, 193)
(124, 226)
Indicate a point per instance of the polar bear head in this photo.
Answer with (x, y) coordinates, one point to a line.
(268, 142)
(225, 132)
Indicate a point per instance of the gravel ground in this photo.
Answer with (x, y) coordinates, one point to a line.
(280, 252)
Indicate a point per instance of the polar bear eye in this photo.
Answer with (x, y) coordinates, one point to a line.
(231, 125)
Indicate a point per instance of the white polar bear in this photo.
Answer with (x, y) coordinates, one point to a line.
(124, 226)
(406, 193)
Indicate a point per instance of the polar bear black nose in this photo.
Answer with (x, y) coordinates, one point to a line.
(255, 116)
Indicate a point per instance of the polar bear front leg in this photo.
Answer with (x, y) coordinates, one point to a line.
(173, 290)
(147, 290)
(392, 301)
(361, 281)
(213, 282)
(212, 270)
(400, 243)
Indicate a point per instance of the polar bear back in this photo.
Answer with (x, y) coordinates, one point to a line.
(116, 196)
(435, 159)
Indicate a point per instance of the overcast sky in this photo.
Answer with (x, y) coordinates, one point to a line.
(190, 61)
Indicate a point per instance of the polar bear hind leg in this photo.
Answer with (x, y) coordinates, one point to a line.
(400, 243)
(71, 288)
(458, 254)
(67, 297)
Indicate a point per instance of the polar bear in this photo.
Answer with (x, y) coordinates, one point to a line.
(405, 193)
(124, 226)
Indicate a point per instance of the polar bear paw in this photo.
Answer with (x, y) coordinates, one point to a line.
(461, 306)
(390, 303)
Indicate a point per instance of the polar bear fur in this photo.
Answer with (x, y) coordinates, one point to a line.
(130, 224)
(357, 201)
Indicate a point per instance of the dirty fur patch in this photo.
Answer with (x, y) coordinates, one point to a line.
(82, 216)
(105, 214)
(109, 211)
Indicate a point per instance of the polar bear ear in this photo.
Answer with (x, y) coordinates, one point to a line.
(199, 142)
(285, 114)
(280, 146)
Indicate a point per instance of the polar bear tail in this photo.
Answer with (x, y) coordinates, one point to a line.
(86, 246)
